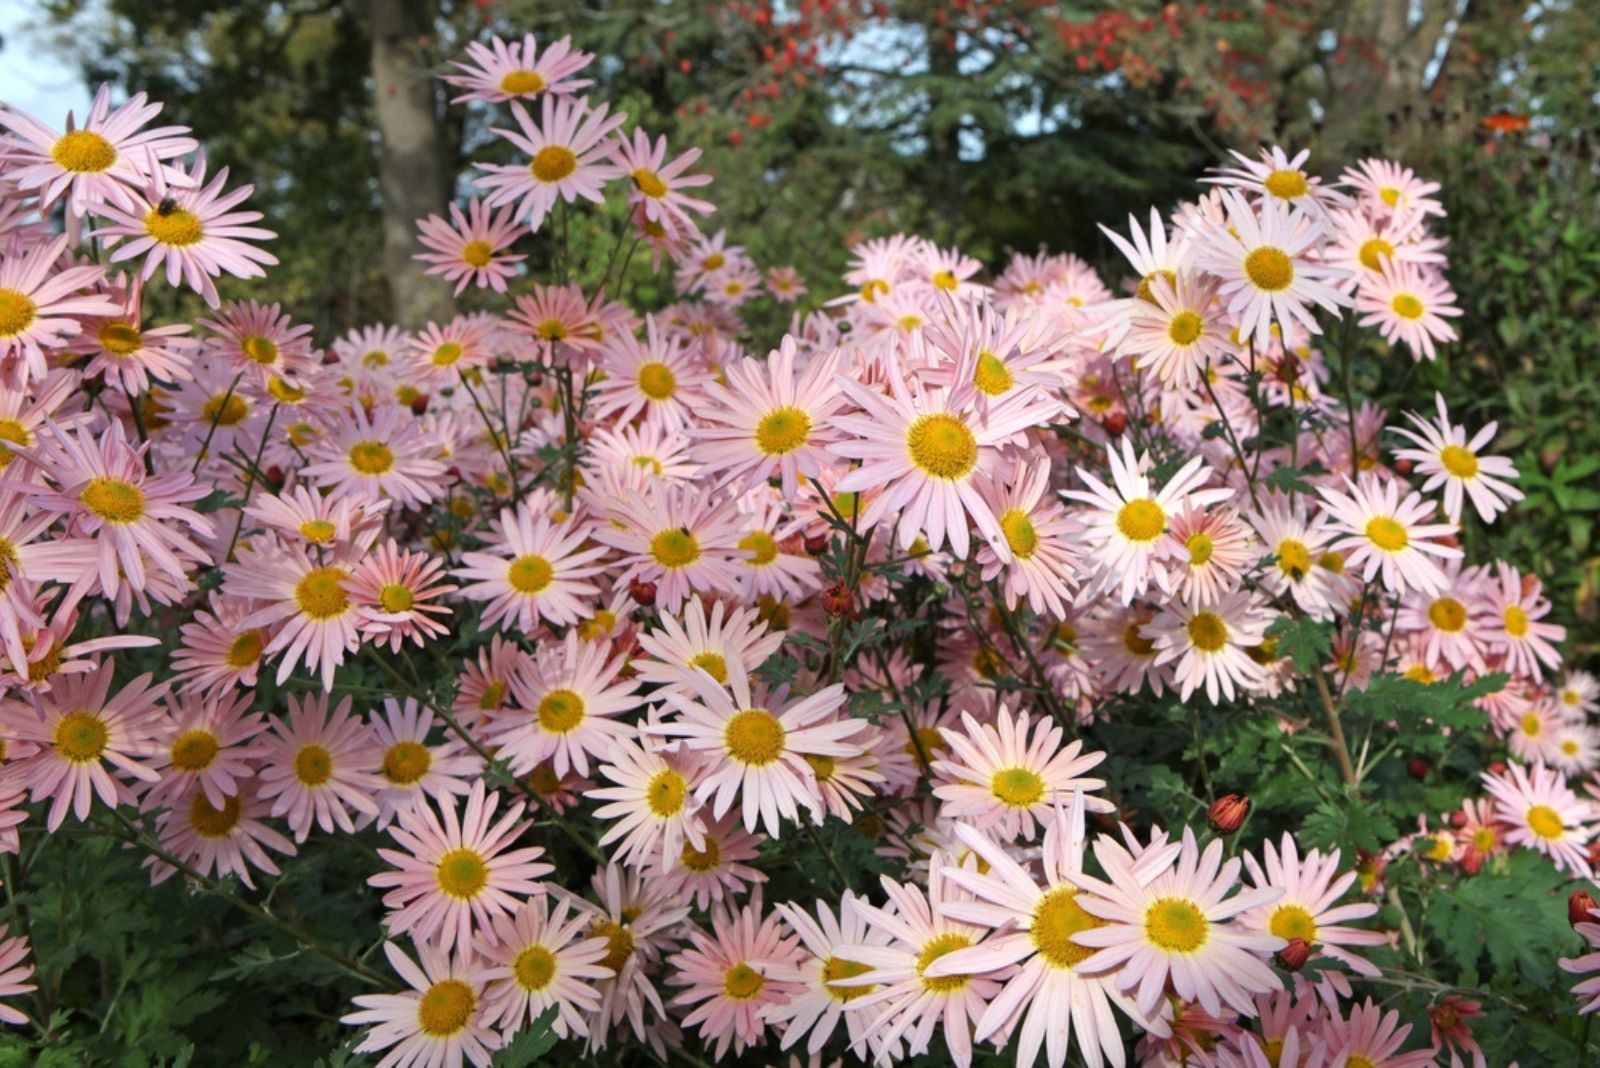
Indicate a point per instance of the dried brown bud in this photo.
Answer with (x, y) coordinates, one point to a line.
(1228, 812)
(1578, 906)
(643, 593)
(816, 544)
(1293, 956)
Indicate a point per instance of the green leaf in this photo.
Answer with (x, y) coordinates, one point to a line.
(217, 500)
(1288, 478)
(530, 1043)
(1361, 824)
(1305, 641)
(1516, 915)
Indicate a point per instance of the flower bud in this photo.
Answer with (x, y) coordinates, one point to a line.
(419, 404)
(1578, 906)
(1116, 423)
(1228, 812)
(1472, 860)
(1293, 956)
(643, 593)
(837, 600)
(1417, 768)
(816, 544)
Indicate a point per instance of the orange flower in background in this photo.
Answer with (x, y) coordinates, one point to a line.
(1504, 122)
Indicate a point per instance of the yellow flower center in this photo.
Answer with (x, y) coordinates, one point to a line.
(836, 968)
(1359, 1060)
(522, 83)
(1186, 328)
(177, 228)
(320, 595)
(462, 873)
(552, 330)
(1459, 461)
(1146, 292)
(991, 375)
(261, 350)
(83, 152)
(371, 457)
(447, 354)
(783, 430)
(1407, 306)
(395, 598)
(1387, 534)
(619, 943)
(742, 982)
(406, 762)
(942, 446)
(1269, 268)
(1294, 558)
(1020, 534)
(1141, 520)
(194, 749)
(649, 183)
(1017, 787)
(245, 650)
(225, 409)
(14, 432)
(1176, 925)
(674, 548)
(113, 500)
(313, 764)
(117, 339)
(560, 711)
(1135, 642)
(701, 861)
(477, 253)
(318, 531)
(211, 822)
(1292, 921)
(754, 737)
(945, 279)
(941, 946)
(1332, 562)
(1484, 839)
(553, 163)
(762, 545)
(1286, 185)
(1056, 918)
(712, 664)
(666, 792)
(1517, 622)
(1448, 614)
(80, 737)
(529, 574)
(1207, 631)
(657, 381)
(1546, 822)
(446, 1008)
(1389, 195)
(1200, 547)
(822, 767)
(1372, 252)
(535, 968)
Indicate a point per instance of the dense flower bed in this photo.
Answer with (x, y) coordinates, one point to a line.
(597, 623)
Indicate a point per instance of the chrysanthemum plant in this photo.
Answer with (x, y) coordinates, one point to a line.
(1000, 668)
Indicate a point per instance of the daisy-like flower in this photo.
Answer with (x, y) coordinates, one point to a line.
(395, 592)
(785, 284)
(80, 729)
(660, 378)
(1153, 256)
(763, 741)
(458, 873)
(770, 421)
(386, 456)
(1294, 545)
(1542, 813)
(680, 538)
(540, 958)
(260, 342)
(473, 247)
(319, 767)
(658, 186)
(570, 697)
(1309, 909)
(42, 304)
(126, 354)
(818, 1009)
(1448, 458)
(411, 766)
(1587, 991)
(1214, 549)
(746, 968)
(1388, 186)
(228, 838)
(501, 71)
(653, 804)
(1266, 271)
(533, 569)
(1180, 330)
(190, 228)
(1516, 607)
(1035, 552)
(1210, 642)
(1579, 694)
(716, 870)
(912, 1002)
(1177, 928)
(99, 163)
(639, 923)
(925, 451)
(556, 316)
(306, 604)
(1408, 303)
(1451, 627)
(569, 149)
(1003, 778)
(1373, 1036)
(209, 746)
(1276, 176)
(1383, 534)
(305, 516)
(441, 1022)
(438, 354)
(1127, 525)
(14, 972)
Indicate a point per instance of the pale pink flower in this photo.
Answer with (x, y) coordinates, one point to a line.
(217, 651)
(306, 604)
(716, 870)
(1587, 991)
(473, 248)
(1373, 1036)
(653, 809)
(746, 968)
(500, 71)
(1309, 908)
(441, 1022)
(540, 958)
(1448, 458)
(14, 972)
(1385, 535)
(658, 186)
(223, 839)
(209, 745)
(660, 378)
(817, 1010)
(1516, 607)
(1408, 303)
(568, 699)
(396, 593)
(570, 148)
(1210, 640)
(42, 305)
(1542, 813)
(259, 342)
(413, 767)
(679, 537)
(386, 455)
(319, 767)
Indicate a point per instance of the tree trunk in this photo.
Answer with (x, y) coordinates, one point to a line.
(411, 171)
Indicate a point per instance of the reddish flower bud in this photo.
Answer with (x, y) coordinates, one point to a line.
(1497, 767)
(816, 544)
(1293, 956)
(1578, 906)
(419, 404)
(1228, 812)
(643, 593)
(1116, 423)
(1417, 768)
(274, 475)
(1458, 818)
(1472, 860)
(837, 600)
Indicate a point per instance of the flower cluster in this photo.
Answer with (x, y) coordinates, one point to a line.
(688, 602)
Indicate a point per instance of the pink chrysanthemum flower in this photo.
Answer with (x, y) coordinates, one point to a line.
(1446, 456)
(1408, 303)
(1542, 813)
(652, 810)
(396, 593)
(532, 569)
(569, 699)
(473, 248)
(639, 922)
(559, 319)
(1309, 909)
(692, 640)
(715, 870)
(1152, 256)
(1273, 174)
(660, 378)
(764, 741)
(441, 355)
(259, 342)
(818, 1009)
(80, 729)
(386, 456)
(501, 71)
(460, 873)
(785, 284)
(441, 1022)
(1388, 186)
(42, 304)
(745, 969)
(1385, 535)
(1178, 927)
(658, 186)
(25, 412)
(413, 767)
(217, 650)
(320, 767)
(1295, 544)
(1370, 1035)
(14, 973)
(1587, 991)
(126, 354)
(1180, 331)
(191, 229)
(305, 516)
(1002, 778)
(1516, 606)
(209, 745)
(306, 604)
(1210, 642)
(542, 959)
(1035, 553)
(228, 838)
(681, 538)
(484, 687)
(570, 148)
(99, 163)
